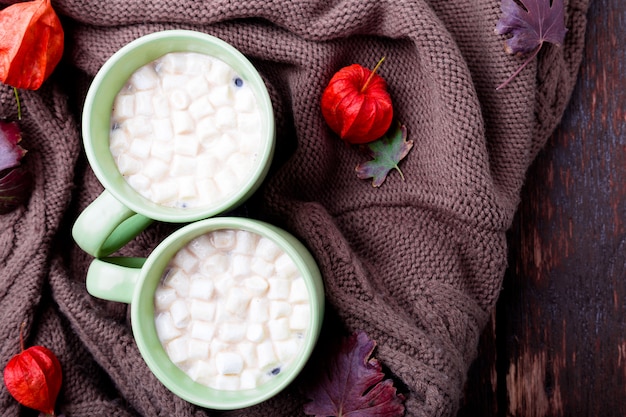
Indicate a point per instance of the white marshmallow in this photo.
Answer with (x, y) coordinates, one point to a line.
(178, 349)
(220, 96)
(202, 330)
(182, 122)
(279, 309)
(202, 310)
(245, 101)
(118, 142)
(259, 311)
(256, 285)
(248, 122)
(161, 106)
(246, 242)
(145, 78)
(226, 118)
(138, 126)
(163, 297)
(200, 287)
(200, 108)
(164, 192)
(165, 327)
(198, 349)
(232, 332)
(171, 64)
(286, 350)
(300, 317)
(224, 239)
(186, 188)
(267, 249)
(186, 144)
(223, 284)
(177, 280)
(229, 363)
(215, 264)
(279, 288)
(223, 146)
(299, 292)
(140, 148)
(128, 165)
(155, 169)
(285, 267)
(240, 165)
(124, 106)
(201, 246)
(266, 356)
(143, 103)
(255, 333)
(240, 265)
(249, 379)
(249, 143)
(180, 313)
(237, 301)
(162, 130)
(163, 151)
(226, 181)
(183, 165)
(207, 132)
(207, 191)
(220, 73)
(227, 382)
(140, 183)
(197, 87)
(279, 328)
(202, 370)
(262, 267)
(179, 99)
(185, 260)
(247, 350)
(206, 166)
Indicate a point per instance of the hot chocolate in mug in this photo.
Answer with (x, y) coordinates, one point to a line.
(225, 311)
(178, 126)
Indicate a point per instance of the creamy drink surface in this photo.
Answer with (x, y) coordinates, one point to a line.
(186, 130)
(232, 309)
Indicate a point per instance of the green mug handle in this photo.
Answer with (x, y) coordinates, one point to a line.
(106, 225)
(114, 278)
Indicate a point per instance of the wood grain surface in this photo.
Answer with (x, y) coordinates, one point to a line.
(557, 342)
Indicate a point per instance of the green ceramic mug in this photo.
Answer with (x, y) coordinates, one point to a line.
(135, 280)
(120, 213)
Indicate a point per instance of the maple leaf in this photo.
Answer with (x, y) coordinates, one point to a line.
(351, 384)
(531, 26)
(387, 152)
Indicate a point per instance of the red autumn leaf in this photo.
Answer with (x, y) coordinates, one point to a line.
(356, 104)
(387, 152)
(33, 377)
(539, 21)
(31, 43)
(352, 384)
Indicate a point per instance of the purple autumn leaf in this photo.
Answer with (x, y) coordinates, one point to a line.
(386, 152)
(10, 152)
(352, 383)
(530, 26)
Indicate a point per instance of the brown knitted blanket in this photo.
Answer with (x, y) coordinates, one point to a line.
(417, 264)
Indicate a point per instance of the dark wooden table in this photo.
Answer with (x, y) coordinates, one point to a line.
(557, 342)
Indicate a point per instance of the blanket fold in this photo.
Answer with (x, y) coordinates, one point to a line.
(417, 263)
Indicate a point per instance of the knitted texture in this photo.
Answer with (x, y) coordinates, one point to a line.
(417, 263)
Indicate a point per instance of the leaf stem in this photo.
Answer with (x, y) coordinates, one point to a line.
(530, 58)
(19, 105)
(369, 79)
(400, 171)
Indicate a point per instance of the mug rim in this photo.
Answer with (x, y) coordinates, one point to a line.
(153, 352)
(106, 80)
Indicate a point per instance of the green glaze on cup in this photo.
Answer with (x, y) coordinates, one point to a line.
(134, 281)
(120, 213)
